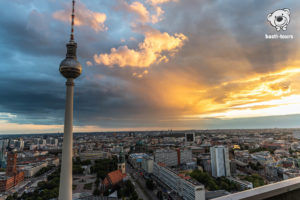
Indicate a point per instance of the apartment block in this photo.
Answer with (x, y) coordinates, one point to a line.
(184, 186)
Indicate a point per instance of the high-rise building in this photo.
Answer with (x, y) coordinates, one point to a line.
(70, 68)
(219, 161)
(189, 138)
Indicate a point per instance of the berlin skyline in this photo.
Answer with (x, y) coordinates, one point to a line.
(149, 65)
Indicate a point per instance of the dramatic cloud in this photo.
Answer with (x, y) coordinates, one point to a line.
(84, 17)
(218, 71)
(142, 12)
(264, 95)
(158, 15)
(156, 2)
(155, 48)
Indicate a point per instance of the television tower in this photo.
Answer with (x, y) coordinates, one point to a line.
(70, 68)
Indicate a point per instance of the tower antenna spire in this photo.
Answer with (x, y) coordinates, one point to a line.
(72, 23)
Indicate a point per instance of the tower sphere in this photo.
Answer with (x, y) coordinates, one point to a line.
(70, 67)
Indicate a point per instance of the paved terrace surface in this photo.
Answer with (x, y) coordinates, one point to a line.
(283, 190)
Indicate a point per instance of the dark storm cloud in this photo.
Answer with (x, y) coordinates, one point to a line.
(230, 31)
(26, 33)
(38, 101)
(31, 86)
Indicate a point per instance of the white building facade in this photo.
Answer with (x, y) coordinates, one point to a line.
(219, 161)
(31, 169)
(147, 164)
(188, 189)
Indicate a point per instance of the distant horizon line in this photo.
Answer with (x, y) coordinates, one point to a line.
(135, 131)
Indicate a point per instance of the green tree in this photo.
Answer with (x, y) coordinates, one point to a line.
(255, 179)
(134, 196)
(211, 185)
(77, 169)
(150, 184)
(96, 192)
(88, 186)
(10, 197)
(103, 166)
(86, 162)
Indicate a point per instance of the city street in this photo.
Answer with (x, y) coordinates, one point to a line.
(140, 184)
(131, 175)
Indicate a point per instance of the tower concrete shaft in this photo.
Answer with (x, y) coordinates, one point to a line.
(65, 187)
(70, 68)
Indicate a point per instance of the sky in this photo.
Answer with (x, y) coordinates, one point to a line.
(149, 65)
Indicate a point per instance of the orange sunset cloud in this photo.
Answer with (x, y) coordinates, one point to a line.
(155, 48)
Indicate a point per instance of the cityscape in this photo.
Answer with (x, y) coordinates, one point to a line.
(152, 165)
(149, 100)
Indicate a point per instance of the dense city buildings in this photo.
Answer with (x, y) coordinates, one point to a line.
(156, 163)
